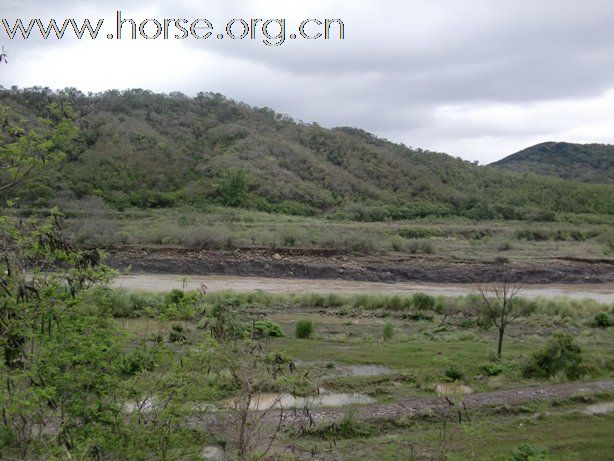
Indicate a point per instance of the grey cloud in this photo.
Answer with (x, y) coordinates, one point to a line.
(401, 61)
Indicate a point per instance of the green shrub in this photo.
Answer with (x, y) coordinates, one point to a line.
(177, 334)
(420, 246)
(452, 373)
(349, 427)
(526, 452)
(292, 207)
(174, 296)
(122, 303)
(388, 331)
(418, 232)
(466, 323)
(423, 302)
(603, 320)
(137, 361)
(559, 355)
(533, 235)
(397, 243)
(225, 325)
(418, 316)
(288, 238)
(396, 303)
(492, 369)
(234, 188)
(304, 329)
(267, 329)
(427, 248)
(334, 300)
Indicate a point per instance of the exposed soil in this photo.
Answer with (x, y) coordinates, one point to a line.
(381, 267)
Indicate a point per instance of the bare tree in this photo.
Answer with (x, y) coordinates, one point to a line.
(497, 306)
(254, 421)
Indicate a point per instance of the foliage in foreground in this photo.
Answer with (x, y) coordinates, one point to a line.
(77, 386)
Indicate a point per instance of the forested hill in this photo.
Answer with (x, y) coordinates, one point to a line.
(592, 163)
(140, 149)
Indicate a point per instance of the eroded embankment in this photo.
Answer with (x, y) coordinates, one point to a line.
(385, 267)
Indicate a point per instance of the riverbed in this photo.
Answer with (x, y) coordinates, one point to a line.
(161, 283)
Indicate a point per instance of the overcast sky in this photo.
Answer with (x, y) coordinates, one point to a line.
(479, 79)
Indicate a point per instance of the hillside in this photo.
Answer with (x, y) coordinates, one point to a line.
(140, 149)
(591, 163)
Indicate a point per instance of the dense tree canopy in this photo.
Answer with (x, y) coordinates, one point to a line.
(592, 163)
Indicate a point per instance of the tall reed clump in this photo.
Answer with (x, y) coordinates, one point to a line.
(388, 331)
(304, 329)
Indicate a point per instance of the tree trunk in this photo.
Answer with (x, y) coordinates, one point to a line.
(500, 347)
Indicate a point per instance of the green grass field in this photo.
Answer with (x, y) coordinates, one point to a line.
(412, 363)
(228, 228)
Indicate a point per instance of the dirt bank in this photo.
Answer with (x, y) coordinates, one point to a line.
(383, 267)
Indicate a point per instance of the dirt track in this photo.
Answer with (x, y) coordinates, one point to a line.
(439, 405)
(386, 267)
(422, 406)
(426, 406)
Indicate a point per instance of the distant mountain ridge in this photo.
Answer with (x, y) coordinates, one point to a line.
(590, 163)
(136, 148)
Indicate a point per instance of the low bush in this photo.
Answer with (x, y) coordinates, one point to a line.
(533, 235)
(174, 296)
(137, 361)
(466, 323)
(559, 355)
(453, 373)
(603, 320)
(267, 329)
(492, 369)
(177, 334)
(526, 452)
(420, 247)
(350, 427)
(423, 302)
(418, 232)
(418, 316)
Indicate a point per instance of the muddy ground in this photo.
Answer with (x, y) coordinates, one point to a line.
(376, 267)
(428, 406)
